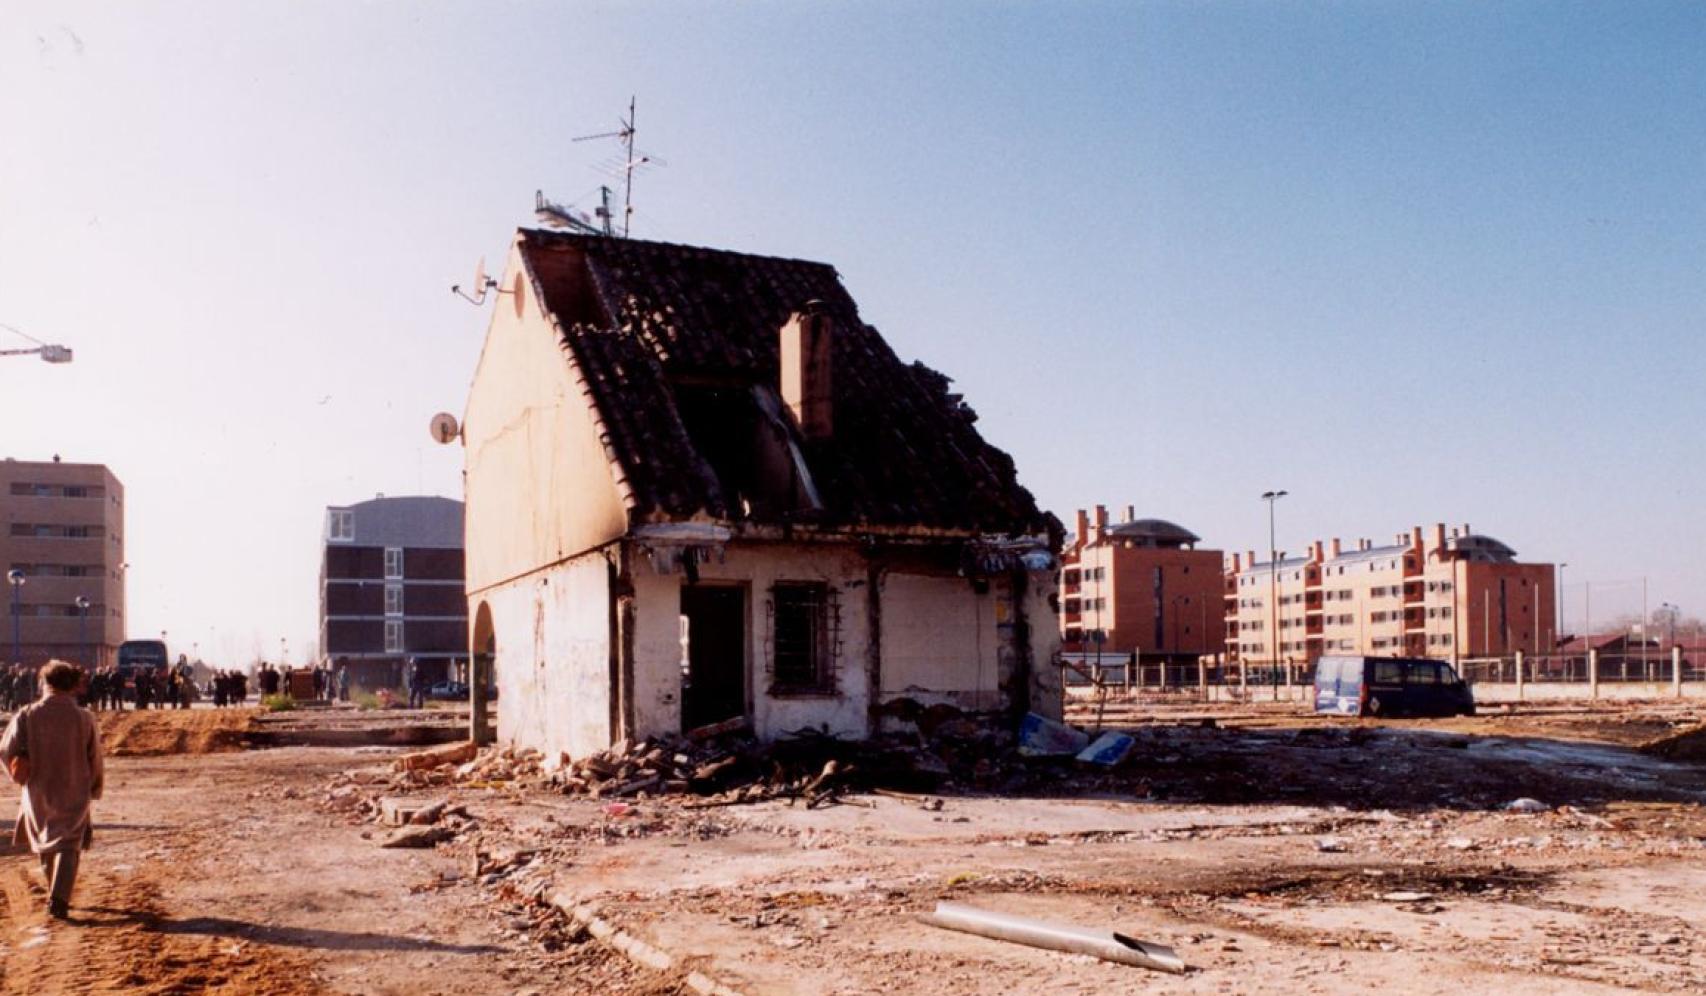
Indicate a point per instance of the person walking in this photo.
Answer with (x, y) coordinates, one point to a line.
(413, 678)
(52, 748)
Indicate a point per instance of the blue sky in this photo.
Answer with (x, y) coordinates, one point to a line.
(1411, 263)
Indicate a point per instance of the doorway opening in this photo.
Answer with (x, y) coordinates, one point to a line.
(713, 666)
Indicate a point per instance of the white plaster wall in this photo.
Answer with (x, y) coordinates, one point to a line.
(552, 630)
(1047, 695)
(539, 485)
(657, 648)
(942, 640)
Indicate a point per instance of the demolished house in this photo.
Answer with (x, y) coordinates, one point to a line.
(700, 489)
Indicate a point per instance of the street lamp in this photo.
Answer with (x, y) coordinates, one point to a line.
(1671, 612)
(82, 604)
(15, 578)
(1272, 497)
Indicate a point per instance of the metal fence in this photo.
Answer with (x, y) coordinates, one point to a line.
(1654, 667)
(1119, 676)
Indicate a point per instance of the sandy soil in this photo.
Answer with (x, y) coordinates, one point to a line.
(216, 873)
(151, 732)
(1278, 854)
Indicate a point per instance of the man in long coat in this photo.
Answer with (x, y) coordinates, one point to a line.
(53, 749)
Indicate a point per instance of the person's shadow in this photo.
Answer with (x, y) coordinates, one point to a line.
(292, 937)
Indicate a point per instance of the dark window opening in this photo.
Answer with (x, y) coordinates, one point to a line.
(804, 631)
(745, 448)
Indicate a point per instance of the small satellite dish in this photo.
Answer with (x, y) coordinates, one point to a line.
(482, 283)
(444, 428)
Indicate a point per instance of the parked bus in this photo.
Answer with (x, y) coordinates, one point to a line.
(140, 655)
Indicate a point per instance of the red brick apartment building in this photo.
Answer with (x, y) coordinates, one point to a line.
(62, 537)
(1449, 595)
(1143, 585)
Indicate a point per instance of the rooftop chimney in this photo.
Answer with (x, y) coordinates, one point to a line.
(1338, 548)
(1316, 549)
(1237, 563)
(1416, 537)
(805, 354)
(1083, 530)
(1131, 513)
(1439, 536)
(1102, 516)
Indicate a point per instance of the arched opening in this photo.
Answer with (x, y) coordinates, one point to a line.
(482, 657)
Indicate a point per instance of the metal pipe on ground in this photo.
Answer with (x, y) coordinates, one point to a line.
(1108, 945)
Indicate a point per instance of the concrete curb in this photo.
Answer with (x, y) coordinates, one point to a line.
(635, 950)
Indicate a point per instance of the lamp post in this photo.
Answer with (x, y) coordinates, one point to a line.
(1272, 497)
(15, 578)
(1671, 612)
(82, 604)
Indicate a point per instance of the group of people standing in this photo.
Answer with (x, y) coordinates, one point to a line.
(145, 688)
(230, 688)
(17, 687)
(329, 685)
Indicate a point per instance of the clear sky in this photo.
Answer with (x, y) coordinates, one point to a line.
(1411, 263)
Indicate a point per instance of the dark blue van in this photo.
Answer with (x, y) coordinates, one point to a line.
(1390, 686)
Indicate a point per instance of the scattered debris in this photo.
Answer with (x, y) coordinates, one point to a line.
(1108, 750)
(1040, 736)
(437, 757)
(416, 836)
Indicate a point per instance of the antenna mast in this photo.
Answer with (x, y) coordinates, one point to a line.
(628, 165)
(564, 216)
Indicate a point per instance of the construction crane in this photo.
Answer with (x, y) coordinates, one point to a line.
(47, 351)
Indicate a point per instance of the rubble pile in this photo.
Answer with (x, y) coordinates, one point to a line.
(729, 766)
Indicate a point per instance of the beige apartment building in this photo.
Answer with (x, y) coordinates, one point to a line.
(1143, 585)
(62, 536)
(1449, 594)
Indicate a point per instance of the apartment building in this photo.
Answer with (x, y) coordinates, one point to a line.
(391, 588)
(1143, 585)
(1449, 594)
(62, 537)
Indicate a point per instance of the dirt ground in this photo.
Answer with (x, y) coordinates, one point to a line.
(1276, 852)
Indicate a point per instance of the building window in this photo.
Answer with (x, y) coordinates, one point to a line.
(340, 525)
(393, 599)
(393, 636)
(393, 562)
(804, 631)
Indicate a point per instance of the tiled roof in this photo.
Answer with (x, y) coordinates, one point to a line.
(643, 318)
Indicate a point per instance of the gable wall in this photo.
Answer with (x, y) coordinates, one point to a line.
(539, 487)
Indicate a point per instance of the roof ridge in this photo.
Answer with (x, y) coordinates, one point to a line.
(584, 239)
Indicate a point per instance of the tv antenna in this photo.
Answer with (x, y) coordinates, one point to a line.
(619, 168)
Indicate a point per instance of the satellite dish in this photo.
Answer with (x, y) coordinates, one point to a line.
(482, 283)
(444, 428)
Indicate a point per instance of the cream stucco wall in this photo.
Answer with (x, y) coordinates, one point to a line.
(552, 630)
(539, 485)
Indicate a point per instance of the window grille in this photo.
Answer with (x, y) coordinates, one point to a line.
(803, 638)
